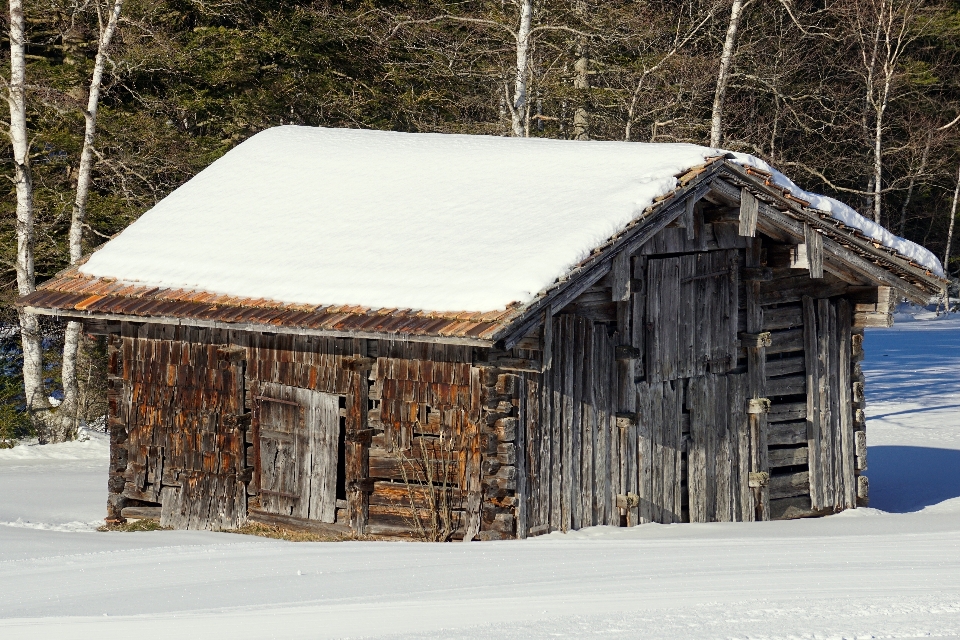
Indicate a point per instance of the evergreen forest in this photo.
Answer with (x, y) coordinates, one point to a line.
(857, 99)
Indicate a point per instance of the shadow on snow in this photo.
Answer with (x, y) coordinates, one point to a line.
(906, 479)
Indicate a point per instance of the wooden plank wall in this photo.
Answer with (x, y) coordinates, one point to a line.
(424, 415)
(173, 416)
(571, 448)
(719, 450)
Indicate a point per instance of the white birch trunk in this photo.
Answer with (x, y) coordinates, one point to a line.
(924, 158)
(953, 221)
(723, 76)
(68, 410)
(36, 397)
(519, 106)
(881, 109)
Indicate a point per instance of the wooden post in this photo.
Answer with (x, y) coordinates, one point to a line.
(814, 243)
(756, 385)
(357, 446)
(749, 207)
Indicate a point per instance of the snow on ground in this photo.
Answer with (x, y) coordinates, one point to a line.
(891, 571)
(56, 487)
(316, 216)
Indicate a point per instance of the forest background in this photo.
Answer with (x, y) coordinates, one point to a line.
(858, 99)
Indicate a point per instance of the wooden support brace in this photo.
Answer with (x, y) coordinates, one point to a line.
(628, 501)
(689, 219)
(748, 213)
(755, 340)
(814, 243)
(620, 276)
(758, 479)
(758, 406)
(627, 352)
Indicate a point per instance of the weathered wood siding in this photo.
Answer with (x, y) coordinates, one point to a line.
(176, 436)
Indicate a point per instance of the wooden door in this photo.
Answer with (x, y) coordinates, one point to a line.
(690, 346)
(297, 434)
(691, 315)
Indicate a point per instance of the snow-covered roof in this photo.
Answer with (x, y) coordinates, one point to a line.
(380, 219)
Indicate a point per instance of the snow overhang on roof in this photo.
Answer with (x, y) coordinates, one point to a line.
(452, 237)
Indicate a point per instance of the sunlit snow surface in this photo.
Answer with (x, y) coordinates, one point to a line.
(396, 220)
(891, 571)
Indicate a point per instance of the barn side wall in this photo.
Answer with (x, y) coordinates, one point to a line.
(428, 440)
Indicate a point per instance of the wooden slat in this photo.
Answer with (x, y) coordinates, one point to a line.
(814, 243)
(788, 457)
(814, 374)
(789, 485)
(845, 405)
(748, 213)
(784, 366)
(780, 433)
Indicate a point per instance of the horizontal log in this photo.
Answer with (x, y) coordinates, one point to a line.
(787, 457)
(782, 290)
(787, 385)
(403, 521)
(298, 524)
(387, 466)
(787, 411)
(517, 364)
(785, 317)
(785, 341)
(781, 433)
(397, 494)
(789, 485)
(784, 366)
(791, 508)
(865, 319)
(140, 513)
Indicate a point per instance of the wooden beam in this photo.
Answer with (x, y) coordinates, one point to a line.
(689, 219)
(833, 249)
(748, 213)
(620, 277)
(727, 191)
(814, 244)
(81, 316)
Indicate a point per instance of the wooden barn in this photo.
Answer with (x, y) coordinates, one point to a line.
(472, 338)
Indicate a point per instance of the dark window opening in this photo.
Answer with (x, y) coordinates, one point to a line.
(341, 462)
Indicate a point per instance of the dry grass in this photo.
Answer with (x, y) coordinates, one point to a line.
(290, 535)
(145, 524)
(295, 535)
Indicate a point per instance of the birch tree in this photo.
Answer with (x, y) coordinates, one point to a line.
(68, 410)
(953, 221)
(36, 399)
(518, 104)
(884, 29)
(726, 67)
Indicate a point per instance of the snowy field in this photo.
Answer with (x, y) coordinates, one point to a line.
(892, 571)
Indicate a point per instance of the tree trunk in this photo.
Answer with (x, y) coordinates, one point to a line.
(881, 110)
(723, 76)
(34, 393)
(953, 221)
(581, 82)
(519, 106)
(913, 179)
(68, 410)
